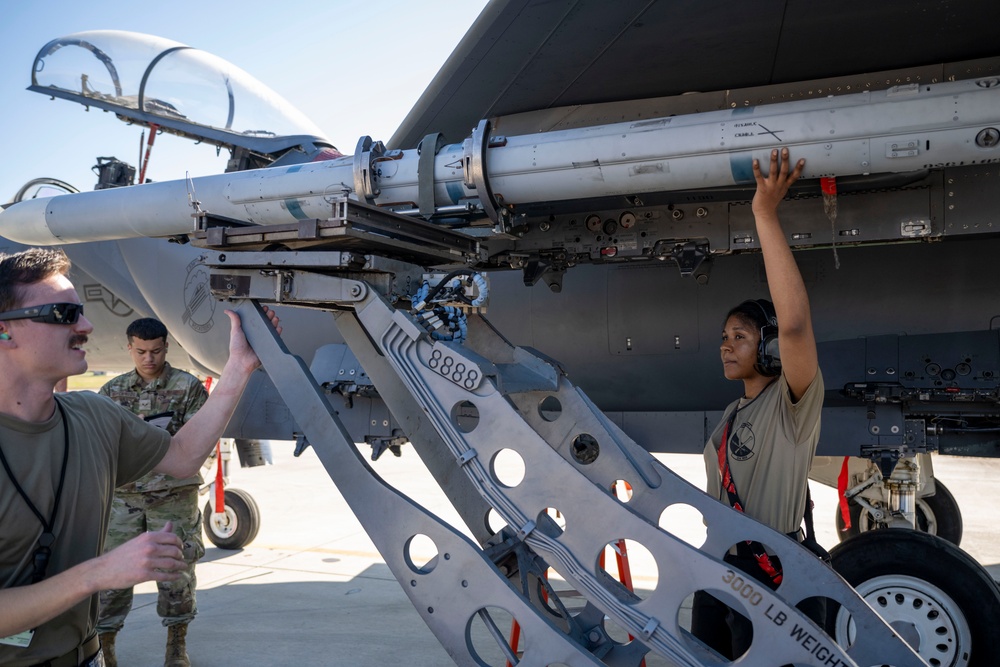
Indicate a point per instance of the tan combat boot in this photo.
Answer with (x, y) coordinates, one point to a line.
(108, 648)
(176, 650)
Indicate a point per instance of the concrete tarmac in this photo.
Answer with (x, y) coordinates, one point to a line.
(311, 589)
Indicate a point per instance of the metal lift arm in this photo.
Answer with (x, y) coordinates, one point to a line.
(482, 398)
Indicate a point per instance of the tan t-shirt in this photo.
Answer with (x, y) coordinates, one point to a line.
(107, 447)
(770, 450)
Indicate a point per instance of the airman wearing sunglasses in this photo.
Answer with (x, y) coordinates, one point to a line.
(62, 457)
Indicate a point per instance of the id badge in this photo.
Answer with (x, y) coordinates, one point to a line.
(20, 640)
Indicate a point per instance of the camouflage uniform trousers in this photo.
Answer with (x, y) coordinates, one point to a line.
(135, 513)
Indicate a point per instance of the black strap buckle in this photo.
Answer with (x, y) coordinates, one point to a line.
(41, 557)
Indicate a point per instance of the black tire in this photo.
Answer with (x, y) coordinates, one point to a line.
(930, 591)
(237, 526)
(936, 515)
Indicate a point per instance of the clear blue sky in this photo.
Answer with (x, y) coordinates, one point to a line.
(355, 67)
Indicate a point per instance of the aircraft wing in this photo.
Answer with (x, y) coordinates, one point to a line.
(526, 55)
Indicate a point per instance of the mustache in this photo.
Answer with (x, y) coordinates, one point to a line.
(79, 339)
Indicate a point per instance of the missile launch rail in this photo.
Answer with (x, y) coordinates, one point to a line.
(467, 406)
(351, 226)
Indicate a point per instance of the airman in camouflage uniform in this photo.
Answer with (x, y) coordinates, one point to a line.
(166, 397)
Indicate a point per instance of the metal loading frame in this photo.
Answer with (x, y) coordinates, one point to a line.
(354, 227)
(506, 385)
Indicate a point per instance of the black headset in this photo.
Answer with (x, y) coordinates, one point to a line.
(768, 356)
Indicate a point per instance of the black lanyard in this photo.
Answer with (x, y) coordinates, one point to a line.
(42, 553)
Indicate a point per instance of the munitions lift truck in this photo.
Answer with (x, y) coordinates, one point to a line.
(465, 400)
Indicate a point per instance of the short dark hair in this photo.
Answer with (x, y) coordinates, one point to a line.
(753, 312)
(27, 268)
(146, 328)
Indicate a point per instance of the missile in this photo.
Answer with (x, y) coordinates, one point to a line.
(904, 128)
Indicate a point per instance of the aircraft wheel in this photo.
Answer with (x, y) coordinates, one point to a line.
(937, 515)
(237, 525)
(933, 594)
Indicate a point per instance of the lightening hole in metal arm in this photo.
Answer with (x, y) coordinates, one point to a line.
(507, 467)
(420, 553)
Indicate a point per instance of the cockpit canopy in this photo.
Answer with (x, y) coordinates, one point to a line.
(151, 80)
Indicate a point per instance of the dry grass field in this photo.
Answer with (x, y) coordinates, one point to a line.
(89, 381)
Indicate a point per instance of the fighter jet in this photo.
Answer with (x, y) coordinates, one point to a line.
(608, 204)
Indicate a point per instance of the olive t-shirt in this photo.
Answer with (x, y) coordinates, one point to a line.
(108, 447)
(771, 447)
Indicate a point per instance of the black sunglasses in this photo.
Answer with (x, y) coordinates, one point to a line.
(50, 313)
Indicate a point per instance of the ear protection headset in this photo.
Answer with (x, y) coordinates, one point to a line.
(768, 356)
